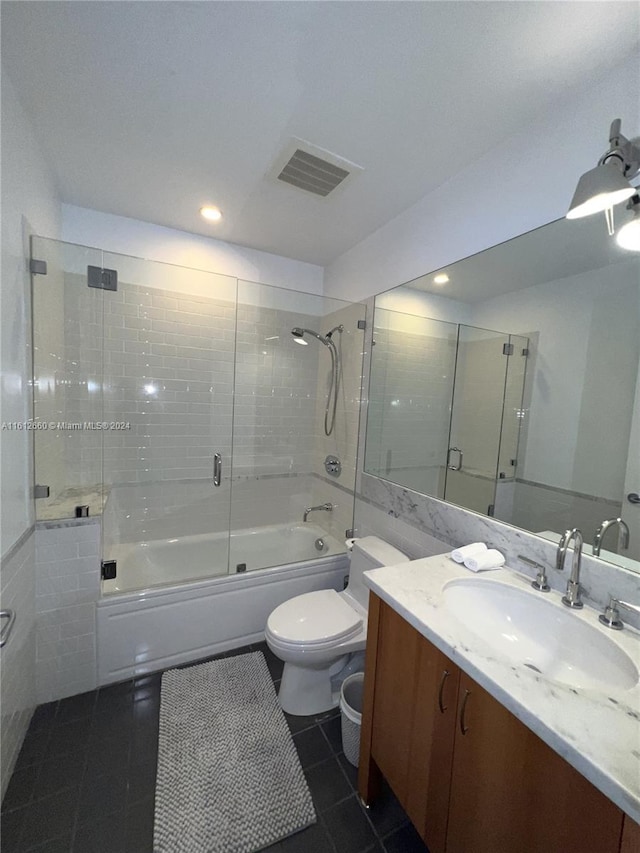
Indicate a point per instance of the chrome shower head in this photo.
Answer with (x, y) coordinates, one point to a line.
(299, 334)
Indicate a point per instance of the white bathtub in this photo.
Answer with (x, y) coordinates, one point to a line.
(155, 628)
(143, 565)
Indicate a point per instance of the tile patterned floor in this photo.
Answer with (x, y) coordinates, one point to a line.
(85, 780)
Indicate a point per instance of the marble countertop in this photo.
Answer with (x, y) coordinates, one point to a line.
(597, 732)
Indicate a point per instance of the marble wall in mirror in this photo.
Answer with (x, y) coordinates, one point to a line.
(509, 383)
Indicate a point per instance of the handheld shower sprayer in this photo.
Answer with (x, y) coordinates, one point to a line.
(336, 367)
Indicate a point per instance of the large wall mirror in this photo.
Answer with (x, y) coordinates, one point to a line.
(508, 383)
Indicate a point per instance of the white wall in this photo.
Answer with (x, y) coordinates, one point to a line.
(144, 240)
(586, 323)
(29, 205)
(527, 182)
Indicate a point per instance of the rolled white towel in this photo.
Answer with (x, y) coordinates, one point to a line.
(461, 554)
(484, 560)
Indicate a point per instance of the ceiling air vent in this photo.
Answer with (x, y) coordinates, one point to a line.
(313, 169)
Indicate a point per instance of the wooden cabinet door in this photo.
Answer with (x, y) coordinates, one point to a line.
(394, 698)
(630, 836)
(431, 750)
(413, 721)
(511, 792)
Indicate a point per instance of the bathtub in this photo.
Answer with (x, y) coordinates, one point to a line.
(142, 565)
(177, 600)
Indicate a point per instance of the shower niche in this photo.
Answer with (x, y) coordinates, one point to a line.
(445, 408)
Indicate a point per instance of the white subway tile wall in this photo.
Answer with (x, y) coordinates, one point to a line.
(275, 392)
(67, 588)
(18, 684)
(169, 373)
(343, 441)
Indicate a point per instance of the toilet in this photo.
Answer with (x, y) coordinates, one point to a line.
(317, 634)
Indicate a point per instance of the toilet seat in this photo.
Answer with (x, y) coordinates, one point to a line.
(317, 620)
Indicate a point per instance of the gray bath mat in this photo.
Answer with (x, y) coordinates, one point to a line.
(229, 777)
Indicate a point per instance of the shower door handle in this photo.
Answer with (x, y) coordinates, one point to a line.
(217, 469)
(449, 465)
(10, 616)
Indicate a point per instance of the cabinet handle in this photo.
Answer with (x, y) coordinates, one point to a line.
(441, 704)
(464, 729)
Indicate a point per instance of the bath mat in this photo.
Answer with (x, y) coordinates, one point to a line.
(229, 778)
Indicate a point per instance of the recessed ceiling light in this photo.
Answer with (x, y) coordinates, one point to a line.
(213, 214)
(442, 278)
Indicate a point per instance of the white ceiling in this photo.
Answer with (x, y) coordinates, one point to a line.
(150, 109)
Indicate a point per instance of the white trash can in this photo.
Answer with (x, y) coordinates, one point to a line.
(351, 698)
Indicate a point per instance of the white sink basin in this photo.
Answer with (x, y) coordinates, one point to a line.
(540, 633)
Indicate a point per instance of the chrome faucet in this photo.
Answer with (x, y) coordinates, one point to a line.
(324, 507)
(600, 533)
(571, 598)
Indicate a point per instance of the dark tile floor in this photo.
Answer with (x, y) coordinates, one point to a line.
(85, 780)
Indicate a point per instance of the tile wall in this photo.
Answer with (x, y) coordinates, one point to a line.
(66, 590)
(343, 441)
(18, 683)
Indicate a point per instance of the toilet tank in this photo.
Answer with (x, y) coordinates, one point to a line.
(370, 552)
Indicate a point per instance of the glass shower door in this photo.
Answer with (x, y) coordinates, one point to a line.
(411, 386)
(282, 384)
(169, 341)
(67, 380)
(476, 418)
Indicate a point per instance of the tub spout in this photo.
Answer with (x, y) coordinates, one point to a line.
(323, 507)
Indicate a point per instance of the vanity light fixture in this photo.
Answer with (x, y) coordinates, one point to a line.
(628, 237)
(441, 278)
(213, 214)
(608, 184)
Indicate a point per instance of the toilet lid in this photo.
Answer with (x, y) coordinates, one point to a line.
(314, 617)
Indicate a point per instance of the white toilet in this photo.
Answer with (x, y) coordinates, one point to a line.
(315, 633)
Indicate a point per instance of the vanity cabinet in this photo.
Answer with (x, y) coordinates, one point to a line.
(630, 836)
(471, 777)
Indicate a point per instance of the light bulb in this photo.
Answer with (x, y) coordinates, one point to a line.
(213, 214)
(628, 237)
